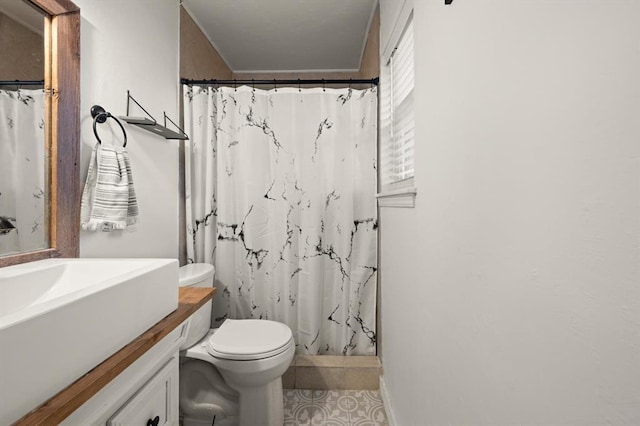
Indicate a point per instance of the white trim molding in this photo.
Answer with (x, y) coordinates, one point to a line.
(403, 197)
(303, 71)
(386, 401)
(398, 27)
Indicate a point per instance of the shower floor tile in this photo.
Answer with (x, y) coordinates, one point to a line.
(333, 407)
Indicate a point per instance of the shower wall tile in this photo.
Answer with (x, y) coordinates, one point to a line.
(328, 372)
(362, 378)
(320, 361)
(289, 378)
(319, 378)
(361, 361)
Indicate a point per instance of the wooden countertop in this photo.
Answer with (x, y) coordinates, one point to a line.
(65, 402)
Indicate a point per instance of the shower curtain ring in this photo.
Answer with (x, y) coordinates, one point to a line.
(350, 83)
(235, 88)
(299, 89)
(253, 84)
(275, 86)
(323, 88)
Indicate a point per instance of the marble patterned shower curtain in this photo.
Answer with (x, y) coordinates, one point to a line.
(22, 170)
(281, 199)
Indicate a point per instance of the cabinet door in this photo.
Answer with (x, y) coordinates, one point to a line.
(155, 403)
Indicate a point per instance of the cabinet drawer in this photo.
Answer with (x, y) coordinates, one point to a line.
(155, 403)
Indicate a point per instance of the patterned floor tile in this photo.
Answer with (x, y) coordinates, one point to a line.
(368, 416)
(369, 409)
(371, 396)
(348, 402)
(327, 411)
(298, 407)
(298, 413)
(327, 396)
(329, 415)
(301, 395)
(334, 408)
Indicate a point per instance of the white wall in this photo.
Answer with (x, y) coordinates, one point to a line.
(134, 45)
(511, 293)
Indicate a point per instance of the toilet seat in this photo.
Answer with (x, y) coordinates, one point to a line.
(245, 340)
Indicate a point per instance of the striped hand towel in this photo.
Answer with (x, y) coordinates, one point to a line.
(108, 200)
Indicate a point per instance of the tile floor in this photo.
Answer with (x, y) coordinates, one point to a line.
(303, 407)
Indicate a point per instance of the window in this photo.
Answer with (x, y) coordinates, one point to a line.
(397, 122)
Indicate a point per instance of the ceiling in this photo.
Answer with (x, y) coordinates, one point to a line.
(286, 35)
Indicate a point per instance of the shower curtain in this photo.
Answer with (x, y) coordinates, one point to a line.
(280, 197)
(22, 170)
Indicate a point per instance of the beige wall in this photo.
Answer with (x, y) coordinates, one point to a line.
(22, 51)
(370, 65)
(198, 58)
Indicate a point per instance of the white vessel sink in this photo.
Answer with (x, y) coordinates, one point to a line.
(59, 318)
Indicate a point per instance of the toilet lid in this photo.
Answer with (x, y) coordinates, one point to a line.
(249, 339)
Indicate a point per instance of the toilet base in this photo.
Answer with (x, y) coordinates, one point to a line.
(229, 421)
(258, 383)
(204, 395)
(262, 405)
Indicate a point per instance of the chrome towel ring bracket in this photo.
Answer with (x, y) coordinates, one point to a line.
(100, 116)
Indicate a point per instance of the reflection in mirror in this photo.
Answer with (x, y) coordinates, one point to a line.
(23, 154)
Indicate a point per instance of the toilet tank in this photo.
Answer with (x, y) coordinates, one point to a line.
(197, 275)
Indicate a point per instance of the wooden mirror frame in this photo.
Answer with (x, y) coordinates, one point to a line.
(62, 130)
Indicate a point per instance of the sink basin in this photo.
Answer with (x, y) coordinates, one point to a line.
(59, 318)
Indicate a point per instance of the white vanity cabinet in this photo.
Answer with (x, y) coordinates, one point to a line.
(155, 404)
(145, 393)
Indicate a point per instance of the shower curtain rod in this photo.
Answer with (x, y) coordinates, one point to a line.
(21, 82)
(373, 81)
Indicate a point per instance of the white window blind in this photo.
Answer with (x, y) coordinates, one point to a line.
(397, 115)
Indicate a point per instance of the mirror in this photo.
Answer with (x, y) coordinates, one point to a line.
(23, 200)
(60, 165)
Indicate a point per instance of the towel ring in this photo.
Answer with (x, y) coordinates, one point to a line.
(100, 116)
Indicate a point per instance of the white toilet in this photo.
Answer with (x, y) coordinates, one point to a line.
(231, 375)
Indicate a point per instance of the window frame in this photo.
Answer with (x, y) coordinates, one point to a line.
(400, 193)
